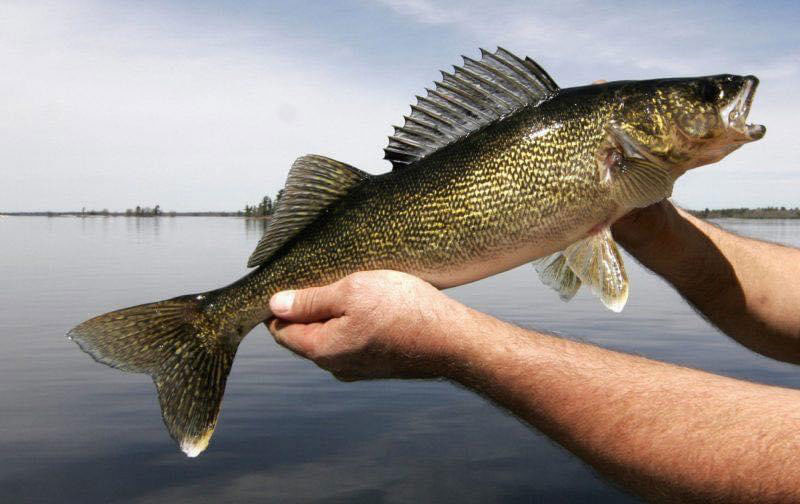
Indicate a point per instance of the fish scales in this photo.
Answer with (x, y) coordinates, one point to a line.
(527, 181)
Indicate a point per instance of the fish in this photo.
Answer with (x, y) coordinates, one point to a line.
(496, 166)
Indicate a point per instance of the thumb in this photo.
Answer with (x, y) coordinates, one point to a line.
(307, 305)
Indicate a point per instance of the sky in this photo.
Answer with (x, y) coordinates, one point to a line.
(204, 105)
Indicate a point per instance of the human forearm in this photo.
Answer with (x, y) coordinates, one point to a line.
(747, 288)
(664, 431)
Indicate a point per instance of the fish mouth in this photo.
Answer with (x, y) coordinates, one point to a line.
(735, 113)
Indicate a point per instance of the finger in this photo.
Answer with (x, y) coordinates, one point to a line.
(308, 305)
(302, 339)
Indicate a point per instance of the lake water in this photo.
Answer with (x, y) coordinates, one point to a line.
(74, 430)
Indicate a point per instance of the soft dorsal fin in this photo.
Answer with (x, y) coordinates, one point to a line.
(467, 100)
(314, 183)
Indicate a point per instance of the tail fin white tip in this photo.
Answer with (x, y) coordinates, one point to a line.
(194, 447)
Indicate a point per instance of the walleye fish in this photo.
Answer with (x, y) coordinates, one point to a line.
(495, 167)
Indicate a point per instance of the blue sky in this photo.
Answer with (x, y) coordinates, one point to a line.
(204, 105)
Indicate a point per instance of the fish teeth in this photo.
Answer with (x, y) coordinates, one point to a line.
(735, 113)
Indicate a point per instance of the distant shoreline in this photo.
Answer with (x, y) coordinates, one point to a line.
(748, 213)
(133, 216)
(722, 213)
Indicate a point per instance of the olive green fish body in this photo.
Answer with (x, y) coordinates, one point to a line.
(515, 192)
(495, 167)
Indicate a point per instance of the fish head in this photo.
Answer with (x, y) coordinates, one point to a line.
(688, 122)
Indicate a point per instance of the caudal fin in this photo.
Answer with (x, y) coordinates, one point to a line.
(187, 356)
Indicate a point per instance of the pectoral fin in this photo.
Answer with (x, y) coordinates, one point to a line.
(639, 178)
(596, 261)
(640, 183)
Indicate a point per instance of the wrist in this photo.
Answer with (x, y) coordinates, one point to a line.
(454, 337)
(477, 344)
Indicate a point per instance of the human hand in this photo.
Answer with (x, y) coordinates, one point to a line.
(375, 324)
(645, 228)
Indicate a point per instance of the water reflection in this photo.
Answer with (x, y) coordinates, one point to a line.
(74, 430)
(255, 227)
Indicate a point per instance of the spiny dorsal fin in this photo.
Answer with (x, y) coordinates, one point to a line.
(467, 100)
(314, 183)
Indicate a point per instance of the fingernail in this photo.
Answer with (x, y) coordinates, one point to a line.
(281, 302)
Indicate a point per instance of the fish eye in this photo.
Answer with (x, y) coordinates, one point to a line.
(709, 92)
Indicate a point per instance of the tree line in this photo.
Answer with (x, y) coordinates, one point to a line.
(749, 213)
(140, 211)
(264, 208)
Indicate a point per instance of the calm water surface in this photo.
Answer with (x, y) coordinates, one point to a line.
(74, 430)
